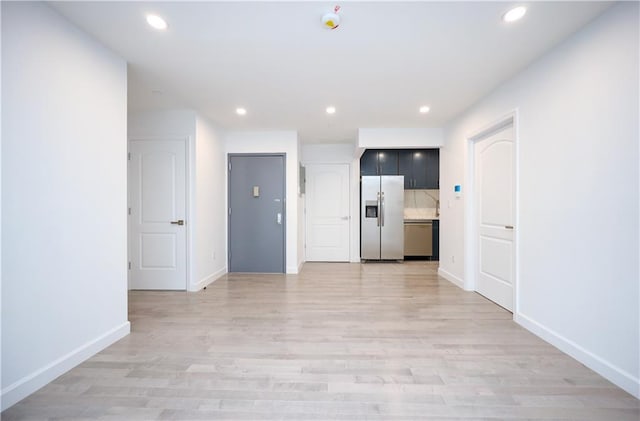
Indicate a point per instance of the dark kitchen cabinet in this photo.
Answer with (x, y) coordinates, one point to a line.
(433, 169)
(435, 254)
(421, 168)
(379, 162)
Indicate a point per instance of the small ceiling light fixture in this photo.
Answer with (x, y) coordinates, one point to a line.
(241, 111)
(157, 22)
(514, 14)
(331, 20)
(331, 110)
(424, 109)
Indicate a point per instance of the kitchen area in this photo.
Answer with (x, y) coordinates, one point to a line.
(400, 204)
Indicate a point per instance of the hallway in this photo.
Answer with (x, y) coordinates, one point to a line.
(378, 341)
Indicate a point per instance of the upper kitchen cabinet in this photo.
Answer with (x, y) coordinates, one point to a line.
(379, 162)
(421, 168)
(433, 169)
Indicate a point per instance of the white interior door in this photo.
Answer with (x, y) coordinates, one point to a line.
(494, 204)
(157, 220)
(327, 212)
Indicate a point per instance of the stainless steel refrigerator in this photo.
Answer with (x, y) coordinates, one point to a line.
(382, 214)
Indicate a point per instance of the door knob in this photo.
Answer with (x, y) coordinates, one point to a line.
(178, 222)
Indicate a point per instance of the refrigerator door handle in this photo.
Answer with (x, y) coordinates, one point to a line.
(382, 209)
(378, 215)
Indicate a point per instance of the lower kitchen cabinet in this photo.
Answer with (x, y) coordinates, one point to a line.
(422, 240)
(435, 238)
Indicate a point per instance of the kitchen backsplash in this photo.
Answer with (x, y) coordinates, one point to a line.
(421, 204)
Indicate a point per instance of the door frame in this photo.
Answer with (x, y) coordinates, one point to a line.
(284, 204)
(189, 177)
(470, 220)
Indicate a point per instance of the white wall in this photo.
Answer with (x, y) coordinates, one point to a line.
(341, 153)
(400, 138)
(328, 153)
(64, 198)
(577, 222)
(159, 124)
(209, 242)
(275, 142)
(206, 222)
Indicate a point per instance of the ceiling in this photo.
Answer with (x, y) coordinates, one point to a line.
(278, 61)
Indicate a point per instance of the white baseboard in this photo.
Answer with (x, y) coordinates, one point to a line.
(451, 277)
(614, 374)
(293, 270)
(207, 280)
(39, 378)
(300, 266)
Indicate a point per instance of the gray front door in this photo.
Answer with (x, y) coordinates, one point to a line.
(256, 213)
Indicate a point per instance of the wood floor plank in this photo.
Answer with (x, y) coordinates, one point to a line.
(371, 341)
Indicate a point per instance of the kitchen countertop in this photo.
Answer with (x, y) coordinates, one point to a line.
(436, 218)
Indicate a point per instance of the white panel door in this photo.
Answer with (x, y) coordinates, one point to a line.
(494, 204)
(327, 212)
(157, 220)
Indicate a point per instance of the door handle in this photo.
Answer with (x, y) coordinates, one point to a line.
(345, 218)
(279, 218)
(379, 209)
(178, 222)
(382, 209)
(508, 227)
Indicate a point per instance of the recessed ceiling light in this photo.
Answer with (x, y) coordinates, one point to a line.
(241, 111)
(331, 110)
(514, 14)
(157, 22)
(424, 109)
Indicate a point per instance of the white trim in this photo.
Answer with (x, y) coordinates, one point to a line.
(516, 210)
(452, 278)
(300, 265)
(611, 372)
(189, 205)
(208, 280)
(41, 377)
(293, 270)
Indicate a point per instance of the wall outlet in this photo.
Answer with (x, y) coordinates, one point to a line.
(453, 259)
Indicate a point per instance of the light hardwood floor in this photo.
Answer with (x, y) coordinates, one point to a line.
(388, 341)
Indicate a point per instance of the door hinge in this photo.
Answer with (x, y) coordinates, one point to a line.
(129, 211)
(229, 211)
(229, 166)
(128, 156)
(129, 265)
